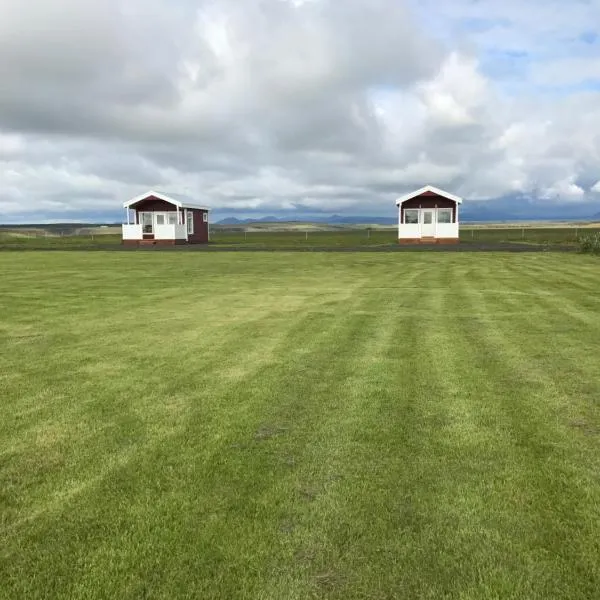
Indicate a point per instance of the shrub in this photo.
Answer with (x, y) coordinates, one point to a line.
(590, 243)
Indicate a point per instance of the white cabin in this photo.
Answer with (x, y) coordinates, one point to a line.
(427, 216)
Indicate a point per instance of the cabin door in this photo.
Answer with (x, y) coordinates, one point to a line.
(147, 223)
(427, 223)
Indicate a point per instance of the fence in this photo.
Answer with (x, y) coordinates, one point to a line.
(338, 237)
(359, 237)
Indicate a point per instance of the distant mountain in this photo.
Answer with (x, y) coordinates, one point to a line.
(510, 208)
(332, 220)
(231, 221)
(518, 208)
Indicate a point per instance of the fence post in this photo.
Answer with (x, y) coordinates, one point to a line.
(368, 234)
(245, 235)
(576, 233)
(523, 233)
(472, 234)
(307, 236)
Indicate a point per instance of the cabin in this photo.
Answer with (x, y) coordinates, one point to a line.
(428, 216)
(154, 218)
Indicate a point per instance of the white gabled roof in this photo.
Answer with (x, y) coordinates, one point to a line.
(174, 199)
(428, 188)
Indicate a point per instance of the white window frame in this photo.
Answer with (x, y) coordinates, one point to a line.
(162, 216)
(172, 218)
(189, 219)
(205, 217)
(444, 210)
(412, 210)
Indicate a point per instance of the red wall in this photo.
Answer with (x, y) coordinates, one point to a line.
(200, 227)
(151, 204)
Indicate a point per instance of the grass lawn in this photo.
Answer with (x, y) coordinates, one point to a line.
(295, 426)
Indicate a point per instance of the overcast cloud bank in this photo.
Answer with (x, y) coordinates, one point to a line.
(256, 106)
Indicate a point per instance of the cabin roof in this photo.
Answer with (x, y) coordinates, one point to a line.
(178, 200)
(428, 188)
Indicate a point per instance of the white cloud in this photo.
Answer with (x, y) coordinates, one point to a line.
(278, 104)
(565, 189)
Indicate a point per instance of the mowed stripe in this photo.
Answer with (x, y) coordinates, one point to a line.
(289, 426)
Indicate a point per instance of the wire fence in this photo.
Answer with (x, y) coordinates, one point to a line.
(537, 235)
(297, 237)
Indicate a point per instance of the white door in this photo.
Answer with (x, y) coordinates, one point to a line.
(427, 223)
(159, 219)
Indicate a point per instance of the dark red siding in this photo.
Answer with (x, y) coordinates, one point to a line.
(152, 204)
(430, 200)
(200, 235)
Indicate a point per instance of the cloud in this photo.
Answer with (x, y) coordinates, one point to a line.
(280, 104)
(565, 189)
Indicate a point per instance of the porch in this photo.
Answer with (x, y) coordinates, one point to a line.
(154, 232)
(434, 230)
(155, 225)
(428, 223)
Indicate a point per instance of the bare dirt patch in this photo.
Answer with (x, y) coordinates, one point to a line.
(585, 427)
(266, 432)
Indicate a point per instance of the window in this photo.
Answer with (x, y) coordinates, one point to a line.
(444, 215)
(172, 218)
(427, 217)
(411, 215)
(189, 217)
(160, 219)
(205, 217)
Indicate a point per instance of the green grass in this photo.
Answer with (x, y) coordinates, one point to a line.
(10, 239)
(295, 426)
(348, 238)
(358, 237)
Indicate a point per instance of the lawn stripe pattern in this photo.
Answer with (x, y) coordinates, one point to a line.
(287, 426)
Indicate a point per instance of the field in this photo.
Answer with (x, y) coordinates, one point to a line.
(299, 425)
(282, 236)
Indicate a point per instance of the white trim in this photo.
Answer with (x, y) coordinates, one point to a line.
(169, 199)
(189, 222)
(442, 208)
(428, 188)
(417, 210)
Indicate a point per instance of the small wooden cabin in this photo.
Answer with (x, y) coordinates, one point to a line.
(155, 218)
(428, 216)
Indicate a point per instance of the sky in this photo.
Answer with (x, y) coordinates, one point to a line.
(258, 107)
